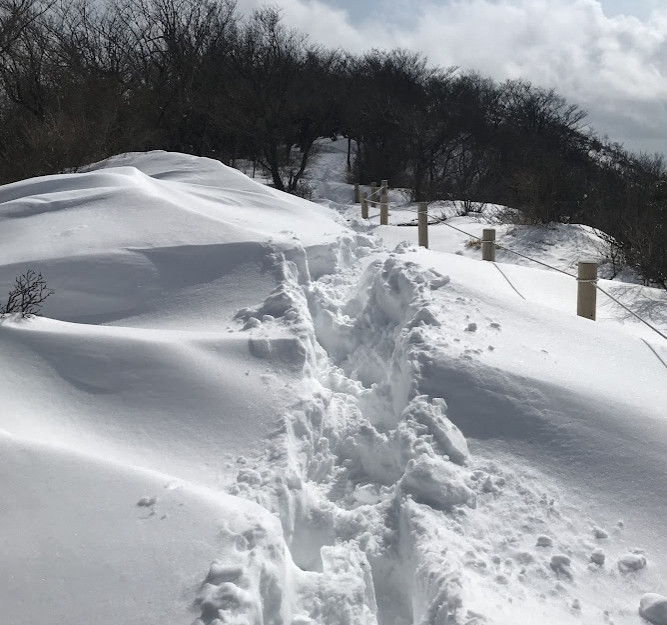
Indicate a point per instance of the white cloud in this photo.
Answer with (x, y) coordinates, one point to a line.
(616, 67)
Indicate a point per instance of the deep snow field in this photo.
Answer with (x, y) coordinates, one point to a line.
(244, 408)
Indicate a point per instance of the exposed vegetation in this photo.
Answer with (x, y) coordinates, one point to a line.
(28, 295)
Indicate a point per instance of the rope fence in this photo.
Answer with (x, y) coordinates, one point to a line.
(587, 280)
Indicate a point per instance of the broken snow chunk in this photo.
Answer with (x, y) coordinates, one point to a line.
(403, 248)
(226, 596)
(367, 494)
(560, 564)
(489, 486)
(288, 350)
(436, 483)
(416, 337)
(253, 322)
(249, 476)
(425, 316)
(242, 313)
(631, 562)
(279, 301)
(544, 541)
(597, 557)
(294, 482)
(147, 502)
(438, 282)
(653, 607)
(268, 318)
(220, 573)
(599, 533)
(444, 432)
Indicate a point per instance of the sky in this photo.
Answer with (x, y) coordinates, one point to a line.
(607, 56)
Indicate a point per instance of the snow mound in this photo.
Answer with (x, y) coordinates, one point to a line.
(143, 234)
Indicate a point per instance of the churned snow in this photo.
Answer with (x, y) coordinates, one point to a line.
(241, 407)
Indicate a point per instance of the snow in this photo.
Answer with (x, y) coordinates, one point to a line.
(80, 545)
(243, 407)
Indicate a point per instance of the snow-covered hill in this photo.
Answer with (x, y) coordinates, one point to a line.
(242, 407)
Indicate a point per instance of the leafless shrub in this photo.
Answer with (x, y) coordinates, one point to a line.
(27, 296)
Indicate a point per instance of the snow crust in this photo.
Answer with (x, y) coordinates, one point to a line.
(246, 408)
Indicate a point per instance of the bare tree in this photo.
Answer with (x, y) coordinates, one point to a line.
(27, 296)
(16, 16)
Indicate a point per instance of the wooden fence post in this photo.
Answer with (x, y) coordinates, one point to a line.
(384, 188)
(364, 205)
(422, 224)
(374, 187)
(586, 292)
(357, 197)
(489, 244)
(384, 207)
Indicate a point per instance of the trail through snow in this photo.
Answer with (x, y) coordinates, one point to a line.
(453, 538)
(246, 408)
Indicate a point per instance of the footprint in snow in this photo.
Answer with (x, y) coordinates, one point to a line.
(560, 564)
(147, 502)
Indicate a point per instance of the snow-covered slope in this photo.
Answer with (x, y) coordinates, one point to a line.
(84, 541)
(242, 407)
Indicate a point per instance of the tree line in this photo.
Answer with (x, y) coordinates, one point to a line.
(80, 81)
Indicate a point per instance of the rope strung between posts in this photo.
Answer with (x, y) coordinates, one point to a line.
(543, 264)
(539, 262)
(664, 364)
(594, 282)
(371, 194)
(507, 249)
(502, 273)
(632, 312)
